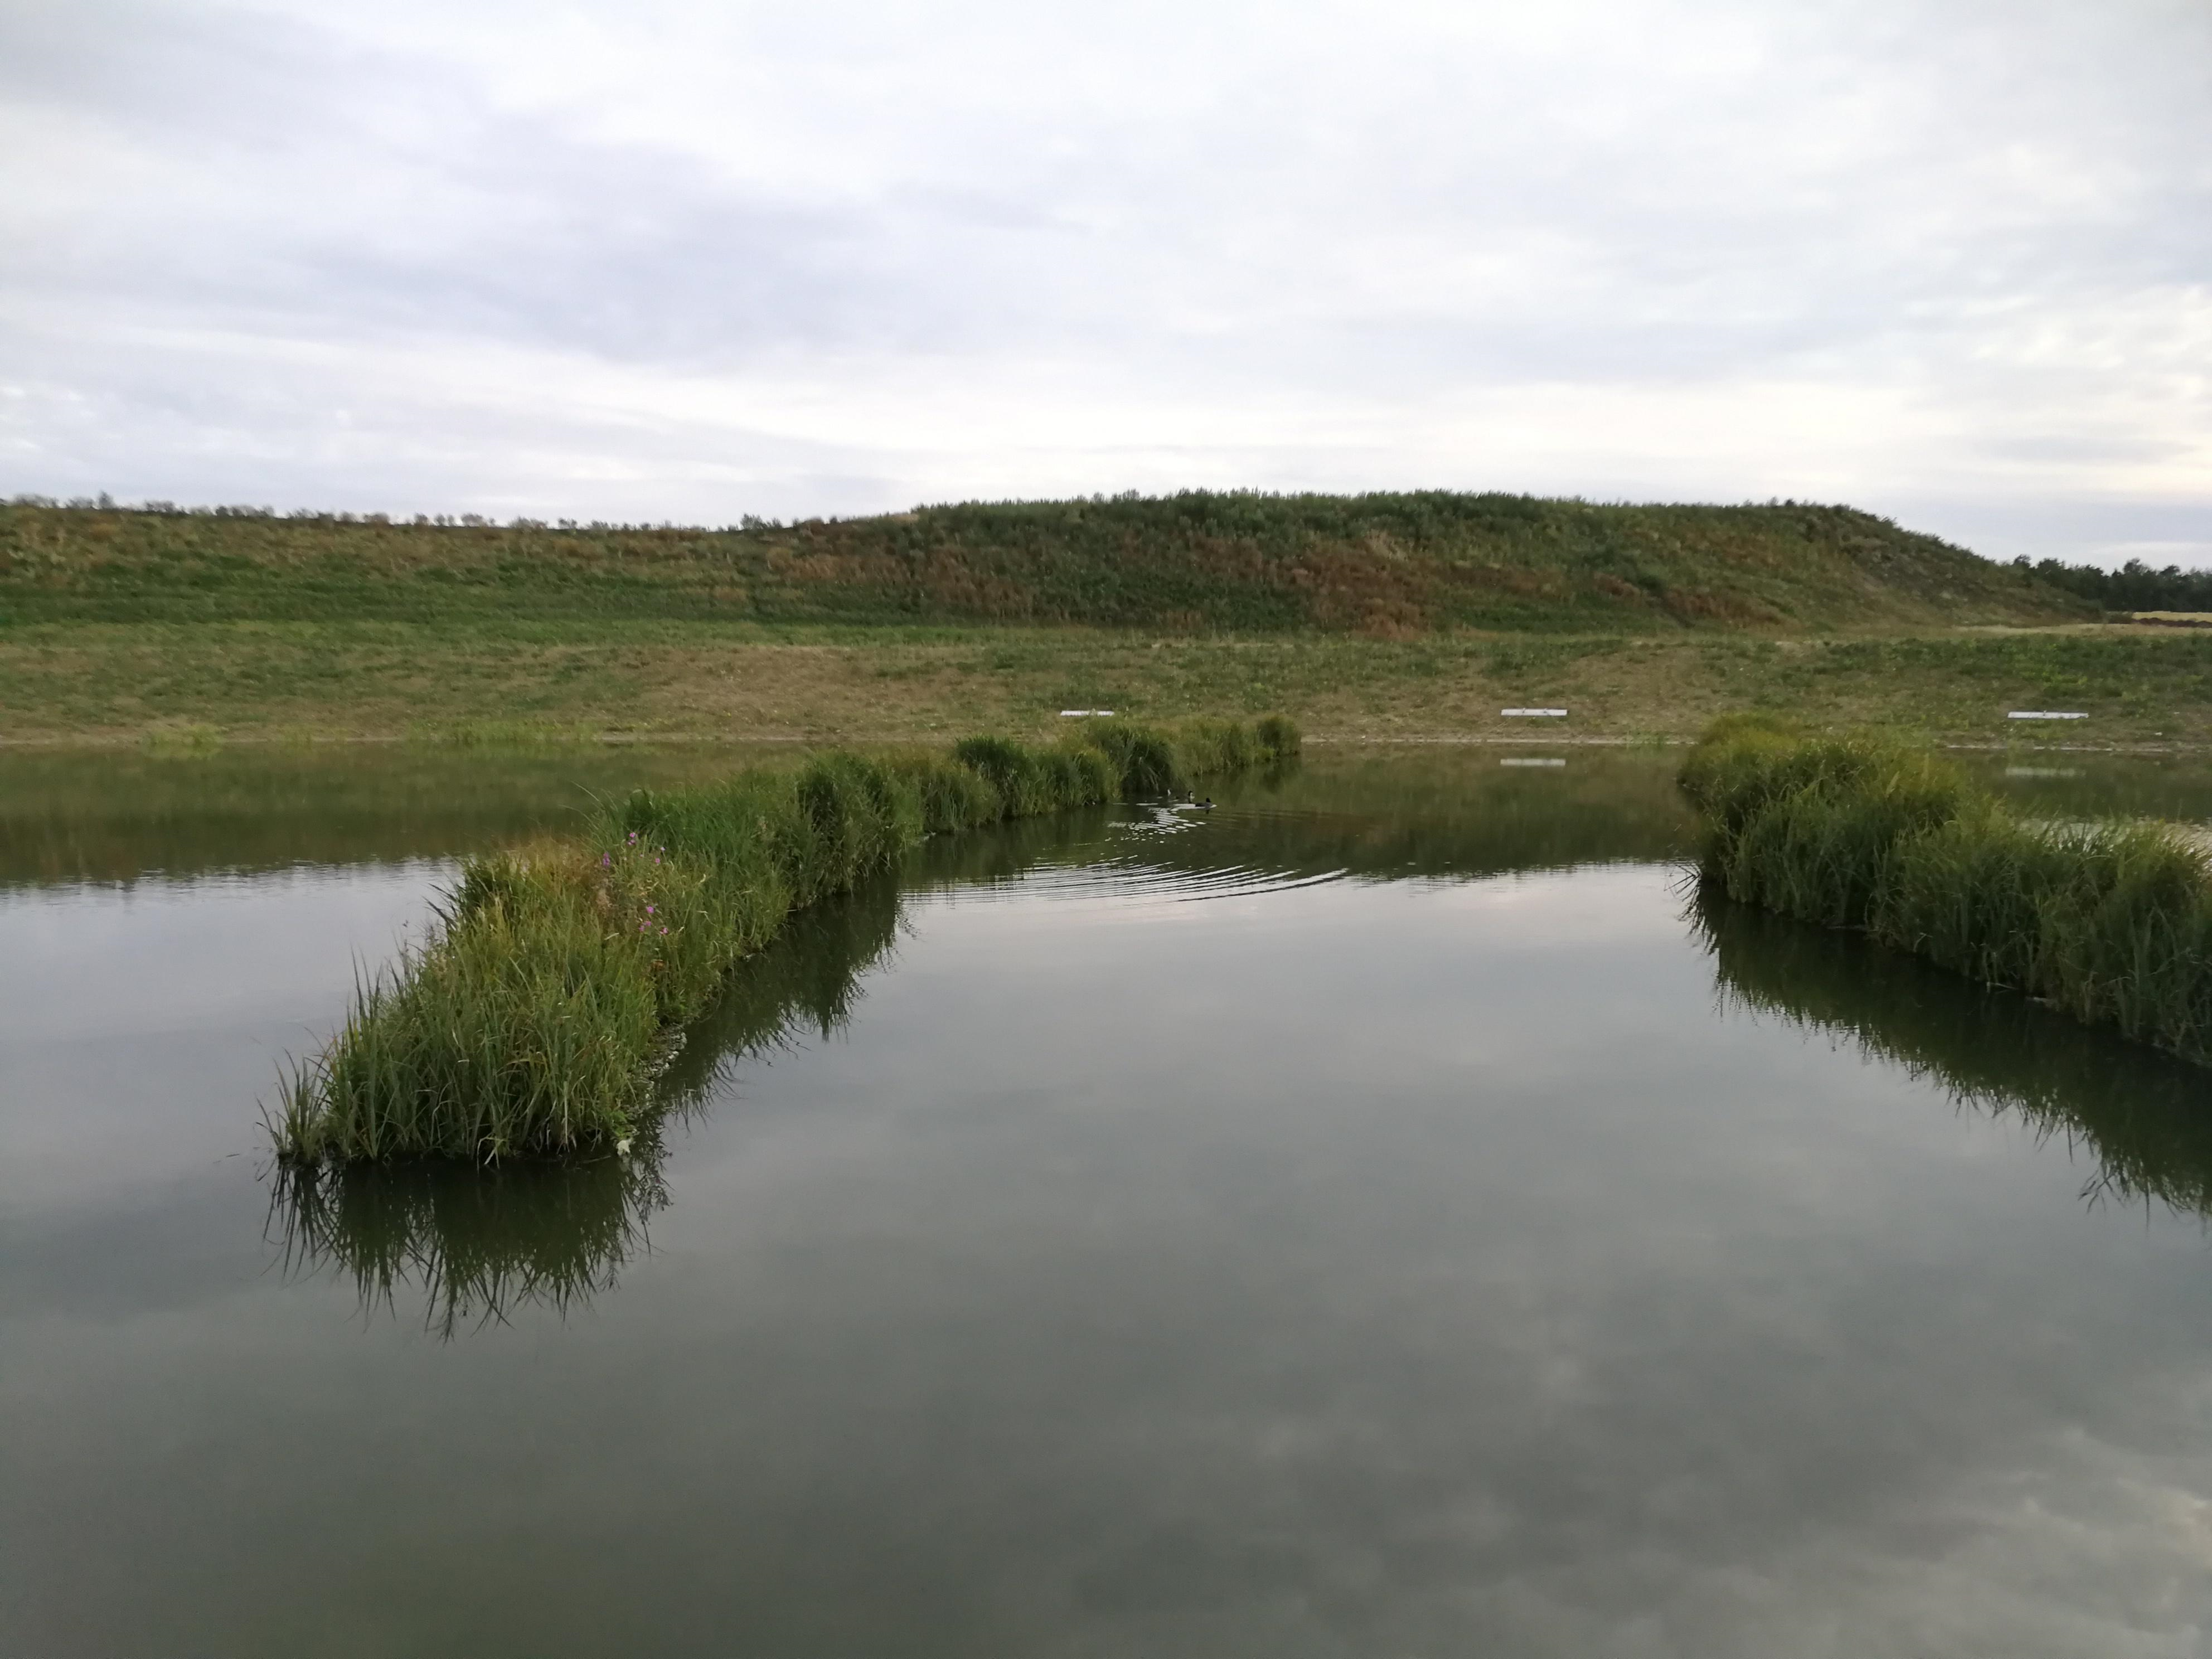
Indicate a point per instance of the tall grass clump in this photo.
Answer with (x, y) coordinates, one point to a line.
(555, 987)
(2109, 922)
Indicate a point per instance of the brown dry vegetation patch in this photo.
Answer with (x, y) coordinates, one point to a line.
(1372, 589)
(1693, 605)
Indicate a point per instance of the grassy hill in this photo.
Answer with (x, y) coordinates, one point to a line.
(1372, 616)
(1383, 566)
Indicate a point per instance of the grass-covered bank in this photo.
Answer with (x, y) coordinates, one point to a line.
(2108, 921)
(188, 688)
(534, 1021)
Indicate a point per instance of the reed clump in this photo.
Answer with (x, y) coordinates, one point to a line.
(2108, 921)
(555, 987)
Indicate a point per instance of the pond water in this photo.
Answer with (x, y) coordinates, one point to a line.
(1386, 1215)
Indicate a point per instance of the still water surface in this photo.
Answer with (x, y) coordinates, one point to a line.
(1384, 1216)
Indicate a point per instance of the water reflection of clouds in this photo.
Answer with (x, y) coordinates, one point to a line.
(161, 955)
(1363, 1266)
(1665, 1349)
(145, 1021)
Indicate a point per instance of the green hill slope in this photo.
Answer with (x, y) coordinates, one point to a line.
(1384, 565)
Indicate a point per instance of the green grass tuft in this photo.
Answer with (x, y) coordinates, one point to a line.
(2109, 922)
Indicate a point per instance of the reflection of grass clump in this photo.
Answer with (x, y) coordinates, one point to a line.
(2110, 921)
(478, 1242)
(2142, 1113)
(195, 739)
(485, 734)
(531, 1024)
(482, 1243)
(806, 983)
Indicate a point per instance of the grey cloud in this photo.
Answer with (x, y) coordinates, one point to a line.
(1998, 215)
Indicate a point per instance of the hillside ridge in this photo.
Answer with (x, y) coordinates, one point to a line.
(1381, 565)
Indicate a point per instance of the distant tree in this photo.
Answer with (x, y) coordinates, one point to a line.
(2134, 587)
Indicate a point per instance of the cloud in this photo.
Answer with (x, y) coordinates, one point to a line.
(1953, 262)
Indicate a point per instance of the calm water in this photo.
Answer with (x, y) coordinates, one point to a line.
(1384, 1217)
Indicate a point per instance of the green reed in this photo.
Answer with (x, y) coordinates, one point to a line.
(554, 989)
(2109, 922)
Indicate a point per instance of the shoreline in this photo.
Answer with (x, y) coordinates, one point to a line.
(168, 745)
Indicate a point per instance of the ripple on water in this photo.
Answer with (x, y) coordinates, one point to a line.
(1138, 867)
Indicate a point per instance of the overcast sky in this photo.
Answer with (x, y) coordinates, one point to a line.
(1947, 260)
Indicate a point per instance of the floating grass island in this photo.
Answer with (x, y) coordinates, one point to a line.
(556, 984)
(2109, 922)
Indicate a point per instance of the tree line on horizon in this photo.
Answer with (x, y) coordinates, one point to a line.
(2134, 587)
